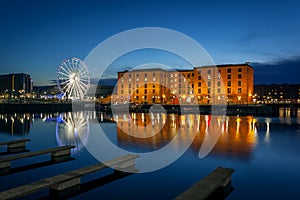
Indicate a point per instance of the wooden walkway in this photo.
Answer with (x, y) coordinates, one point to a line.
(68, 180)
(57, 154)
(218, 179)
(15, 145)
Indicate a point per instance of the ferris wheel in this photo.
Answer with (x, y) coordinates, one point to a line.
(73, 78)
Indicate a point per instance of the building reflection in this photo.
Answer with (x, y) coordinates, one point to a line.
(238, 136)
(15, 124)
(286, 115)
(148, 132)
(139, 130)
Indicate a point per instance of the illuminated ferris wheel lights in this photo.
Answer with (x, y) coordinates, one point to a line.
(73, 78)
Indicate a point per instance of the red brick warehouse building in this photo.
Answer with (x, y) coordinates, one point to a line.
(220, 84)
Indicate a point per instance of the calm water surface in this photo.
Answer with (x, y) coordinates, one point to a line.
(265, 152)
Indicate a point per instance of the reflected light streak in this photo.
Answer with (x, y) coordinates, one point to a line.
(238, 120)
(267, 135)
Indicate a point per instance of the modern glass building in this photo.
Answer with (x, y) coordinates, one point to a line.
(15, 83)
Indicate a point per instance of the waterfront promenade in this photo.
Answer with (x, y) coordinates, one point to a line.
(258, 142)
(233, 109)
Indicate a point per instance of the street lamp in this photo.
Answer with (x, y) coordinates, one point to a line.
(6, 94)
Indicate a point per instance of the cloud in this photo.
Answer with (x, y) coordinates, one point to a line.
(279, 72)
(248, 38)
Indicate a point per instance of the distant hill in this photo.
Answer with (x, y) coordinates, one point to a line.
(281, 72)
(107, 82)
(104, 88)
(49, 89)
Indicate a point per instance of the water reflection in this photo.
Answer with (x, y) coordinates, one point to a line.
(267, 136)
(15, 124)
(287, 114)
(238, 134)
(73, 129)
(143, 132)
(238, 139)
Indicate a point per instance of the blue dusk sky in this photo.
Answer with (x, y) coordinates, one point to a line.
(36, 36)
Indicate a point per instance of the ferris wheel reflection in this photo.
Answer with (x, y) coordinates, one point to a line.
(73, 129)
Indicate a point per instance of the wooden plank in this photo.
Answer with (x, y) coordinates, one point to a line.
(68, 178)
(16, 145)
(14, 141)
(91, 169)
(24, 190)
(71, 179)
(35, 153)
(220, 177)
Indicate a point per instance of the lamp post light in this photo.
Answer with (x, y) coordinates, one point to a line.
(6, 95)
(239, 98)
